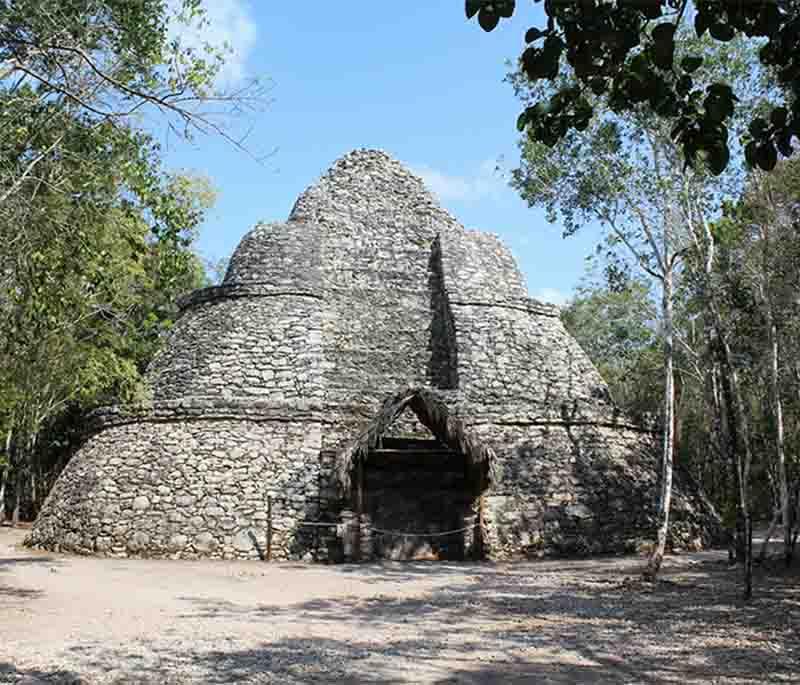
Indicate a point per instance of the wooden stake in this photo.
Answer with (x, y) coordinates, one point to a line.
(269, 528)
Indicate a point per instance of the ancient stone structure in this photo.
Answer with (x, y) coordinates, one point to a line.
(371, 379)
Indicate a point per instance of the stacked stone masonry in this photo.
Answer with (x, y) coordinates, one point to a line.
(369, 288)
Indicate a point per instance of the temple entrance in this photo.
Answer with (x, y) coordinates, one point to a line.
(420, 502)
(413, 491)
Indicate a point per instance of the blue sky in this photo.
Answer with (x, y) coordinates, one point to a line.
(414, 79)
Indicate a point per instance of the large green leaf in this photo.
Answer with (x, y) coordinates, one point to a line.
(488, 19)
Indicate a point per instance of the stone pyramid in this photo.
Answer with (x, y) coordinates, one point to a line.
(270, 380)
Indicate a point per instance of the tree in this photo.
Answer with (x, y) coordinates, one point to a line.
(114, 59)
(86, 292)
(107, 65)
(95, 237)
(627, 56)
(614, 320)
(764, 225)
(625, 171)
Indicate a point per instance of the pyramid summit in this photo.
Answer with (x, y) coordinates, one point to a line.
(369, 380)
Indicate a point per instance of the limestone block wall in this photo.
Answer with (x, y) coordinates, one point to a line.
(190, 488)
(478, 267)
(283, 255)
(580, 489)
(514, 361)
(264, 344)
(372, 346)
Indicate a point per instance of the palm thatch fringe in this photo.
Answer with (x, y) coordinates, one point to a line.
(432, 413)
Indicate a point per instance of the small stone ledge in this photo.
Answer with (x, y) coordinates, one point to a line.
(237, 290)
(592, 422)
(221, 408)
(527, 304)
(268, 289)
(199, 408)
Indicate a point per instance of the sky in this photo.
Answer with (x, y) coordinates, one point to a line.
(414, 79)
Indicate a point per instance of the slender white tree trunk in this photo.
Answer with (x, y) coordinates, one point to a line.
(783, 481)
(15, 512)
(743, 461)
(742, 444)
(775, 388)
(665, 495)
(773, 524)
(3, 479)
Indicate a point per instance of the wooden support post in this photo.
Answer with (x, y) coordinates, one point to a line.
(479, 532)
(269, 529)
(359, 505)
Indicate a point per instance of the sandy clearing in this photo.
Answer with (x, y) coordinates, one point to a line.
(89, 620)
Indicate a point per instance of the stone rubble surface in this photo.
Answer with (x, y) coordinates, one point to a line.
(77, 621)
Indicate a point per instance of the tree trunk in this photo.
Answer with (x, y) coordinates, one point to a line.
(776, 519)
(742, 444)
(665, 496)
(3, 479)
(742, 432)
(17, 499)
(775, 391)
(777, 405)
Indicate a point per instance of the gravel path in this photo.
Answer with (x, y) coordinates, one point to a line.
(85, 620)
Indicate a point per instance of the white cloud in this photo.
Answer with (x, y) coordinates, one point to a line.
(485, 181)
(552, 296)
(226, 24)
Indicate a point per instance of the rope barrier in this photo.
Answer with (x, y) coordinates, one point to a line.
(382, 531)
(418, 535)
(317, 523)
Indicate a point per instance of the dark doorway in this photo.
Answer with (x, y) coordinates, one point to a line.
(421, 501)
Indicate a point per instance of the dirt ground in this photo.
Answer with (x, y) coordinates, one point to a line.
(67, 619)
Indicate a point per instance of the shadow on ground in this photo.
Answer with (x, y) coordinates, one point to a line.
(10, 674)
(10, 562)
(502, 625)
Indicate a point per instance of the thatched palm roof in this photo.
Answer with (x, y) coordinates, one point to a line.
(432, 413)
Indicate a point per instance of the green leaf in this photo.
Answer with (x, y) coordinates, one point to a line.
(540, 63)
(723, 90)
(750, 154)
(505, 8)
(758, 127)
(766, 156)
(690, 64)
(651, 10)
(778, 117)
(487, 19)
(702, 20)
(717, 109)
(718, 158)
(533, 34)
(784, 144)
(722, 32)
(598, 85)
(663, 37)
(664, 32)
(472, 7)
